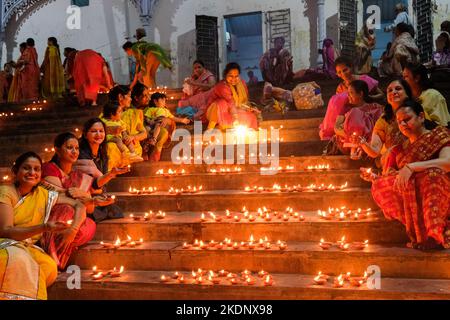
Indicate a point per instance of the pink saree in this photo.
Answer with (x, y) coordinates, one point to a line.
(338, 106)
(50, 241)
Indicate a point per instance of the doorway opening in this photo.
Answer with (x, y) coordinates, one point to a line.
(244, 42)
(387, 18)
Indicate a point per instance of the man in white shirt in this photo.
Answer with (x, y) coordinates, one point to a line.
(402, 17)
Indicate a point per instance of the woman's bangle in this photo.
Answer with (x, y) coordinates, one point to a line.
(410, 169)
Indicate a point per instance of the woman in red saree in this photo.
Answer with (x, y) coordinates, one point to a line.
(59, 175)
(228, 103)
(30, 73)
(90, 73)
(416, 189)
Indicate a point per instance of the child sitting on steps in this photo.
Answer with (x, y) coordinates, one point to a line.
(160, 123)
(117, 133)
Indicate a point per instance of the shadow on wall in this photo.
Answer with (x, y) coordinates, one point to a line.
(333, 29)
(164, 13)
(186, 46)
(312, 15)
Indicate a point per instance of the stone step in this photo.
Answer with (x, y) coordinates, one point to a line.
(286, 149)
(299, 257)
(186, 227)
(146, 285)
(299, 163)
(235, 200)
(239, 181)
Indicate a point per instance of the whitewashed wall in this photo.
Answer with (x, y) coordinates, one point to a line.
(174, 24)
(103, 28)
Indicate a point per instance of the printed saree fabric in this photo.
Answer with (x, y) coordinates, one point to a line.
(423, 207)
(64, 212)
(25, 270)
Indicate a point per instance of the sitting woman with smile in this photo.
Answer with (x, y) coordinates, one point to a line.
(25, 270)
(60, 175)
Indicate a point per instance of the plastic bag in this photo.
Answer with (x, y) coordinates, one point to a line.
(308, 96)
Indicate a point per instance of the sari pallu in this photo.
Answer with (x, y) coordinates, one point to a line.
(224, 102)
(25, 270)
(15, 90)
(53, 82)
(30, 75)
(63, 212)
(423, 207)
(88, 75)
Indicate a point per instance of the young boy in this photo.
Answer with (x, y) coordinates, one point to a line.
(117, 133)
(157, 116)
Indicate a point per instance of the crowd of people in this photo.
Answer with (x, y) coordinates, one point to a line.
(52, 209)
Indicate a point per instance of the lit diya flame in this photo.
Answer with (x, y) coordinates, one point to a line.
(94, 270)
(321, 279)
(69, 222)
(115, 274)
(164, 279)
(98, 276)
(118, 243)
(325, 245)
(268, 281)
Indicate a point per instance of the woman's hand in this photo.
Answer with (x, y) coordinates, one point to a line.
(185, 121)
(119, 171)
(103, 201)
(402, 180)
(56, 227)
(76, 193)
(66, 239)
(368, 175)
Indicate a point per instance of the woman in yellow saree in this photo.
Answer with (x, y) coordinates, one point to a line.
(53, 81)
(25, 270)
(134, 120)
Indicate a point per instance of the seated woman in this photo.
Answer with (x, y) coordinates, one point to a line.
(90, 74)
(59, 175)
(93, 160)
(160, 124)
(25, 270)
(360, 120)
(415, 190)
(338, 104)
(386, 133)
(403, 50)
(433, 101)
(134, 122)
(197, 89)
(229, 103)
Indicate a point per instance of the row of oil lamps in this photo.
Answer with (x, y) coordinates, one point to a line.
(343, 245)
(148, 216)
(343, 214)
(251, 244)
(129, 243)
(339, 281)
(297, 188)
(262, 214)
(216, 278)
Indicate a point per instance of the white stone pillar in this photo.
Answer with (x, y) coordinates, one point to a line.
(321, 28)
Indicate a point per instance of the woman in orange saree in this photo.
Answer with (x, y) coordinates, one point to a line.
(417, 187)
(30, 73)
(15, 90)
(60, 175)
(25, 270)
(90, 73)
(53, 81)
